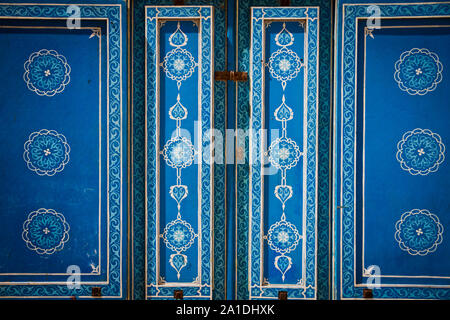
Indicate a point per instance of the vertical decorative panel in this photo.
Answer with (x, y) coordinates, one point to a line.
(179, 167)
(62, 187)
(283, 175)
(137, 179)
(393, 135)
(324, 145)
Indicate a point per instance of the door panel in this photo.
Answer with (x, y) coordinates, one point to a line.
(284, 83)
(62, 185)
(393, 171)
(249, 228)
(179, 85)
(324, 128)
(139, 108)
(281, 97)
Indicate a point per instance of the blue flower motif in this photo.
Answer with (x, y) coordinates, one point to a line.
(205, 12)
(418, 232)
(311, 13)
(45, 231)
(284, 38)
(283, 264)
(178, 38)
(418, 71)
(46, 72)
(257, 13)
(283, 237)
(420, 151)
(284, 65)
(283, 193)
(205, 290)
(46, 152)
(178, 261)
(153, 291)
(179, 235)
(256, 291)
(178, 111)
(179, 65)
(178, 192)
(284, 153)
(179, 152)
(283, 112)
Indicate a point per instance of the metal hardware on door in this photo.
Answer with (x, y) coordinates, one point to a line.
(96, 291)
(230, 76)
(282, 295)
(239, 153)
(367, 293)
(178, 294)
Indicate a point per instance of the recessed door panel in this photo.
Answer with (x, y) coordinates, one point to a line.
(274, 93)
(284, 50)
(62, 176)
(179, 83)
(284, 87)
(393, 166)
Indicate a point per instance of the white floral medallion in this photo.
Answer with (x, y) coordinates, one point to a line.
(179, 152)
(45, 231)
(46, 72)
(179, 64)
(284, 64)
(283, 237)
(419, 232)
(418, 71)
(420, 151)
(179, 235)
(46, 152)
(284, 153)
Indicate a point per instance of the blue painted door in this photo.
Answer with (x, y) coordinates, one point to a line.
(191, 218)
(285, 203)
(392, 132)
(197, 214)
(63, 132)
(282, 204)
(178, 217)
(283, 99)
(179, 148)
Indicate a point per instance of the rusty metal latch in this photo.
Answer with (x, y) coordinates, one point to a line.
(230, 76)
(96, 291)
(178, 294)
(282, 295)
(367, 293)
